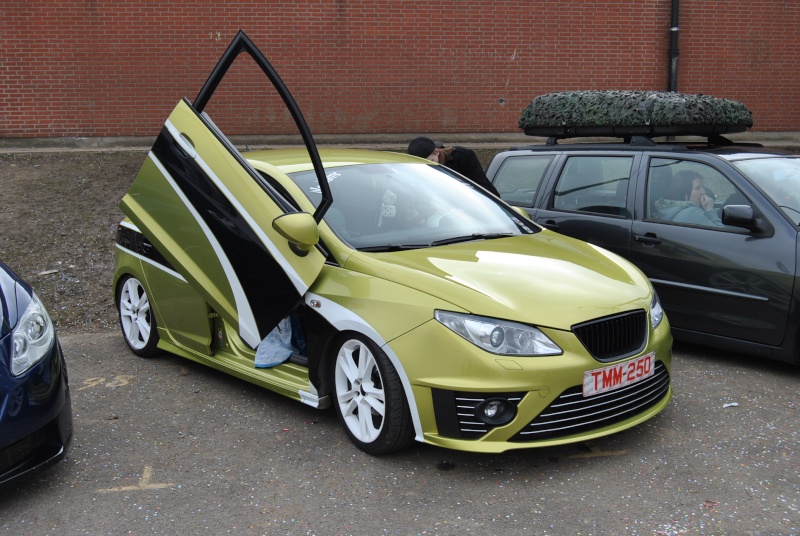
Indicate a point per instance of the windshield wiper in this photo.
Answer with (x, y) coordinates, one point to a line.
(393, 247)
(467, 238)
(442, 242)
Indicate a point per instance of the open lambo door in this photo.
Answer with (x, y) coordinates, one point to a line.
(232, 236)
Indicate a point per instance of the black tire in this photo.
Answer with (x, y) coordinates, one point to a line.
(136, 319)
(369, 397)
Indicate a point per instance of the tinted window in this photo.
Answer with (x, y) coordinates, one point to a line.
(519, 178)
(596, 184)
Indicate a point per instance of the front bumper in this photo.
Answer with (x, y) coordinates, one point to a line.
(35, 418)
(454, 381)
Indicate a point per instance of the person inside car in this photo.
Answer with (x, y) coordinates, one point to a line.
(459, 159)
(688, 202)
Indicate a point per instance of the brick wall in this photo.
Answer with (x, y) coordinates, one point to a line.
(75, 68)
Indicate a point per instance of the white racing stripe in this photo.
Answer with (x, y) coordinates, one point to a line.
(152, 263)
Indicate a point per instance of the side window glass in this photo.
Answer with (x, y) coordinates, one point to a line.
(779, 178)
(519, 177)
(597, 184)
(689, 192)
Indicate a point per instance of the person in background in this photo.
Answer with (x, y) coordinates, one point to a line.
(689, 202)
(459, 159)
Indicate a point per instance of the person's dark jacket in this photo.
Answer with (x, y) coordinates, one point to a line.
(465, 161)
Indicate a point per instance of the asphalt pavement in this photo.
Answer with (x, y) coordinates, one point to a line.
(167, 446)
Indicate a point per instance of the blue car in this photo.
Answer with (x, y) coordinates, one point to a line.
(35, 408)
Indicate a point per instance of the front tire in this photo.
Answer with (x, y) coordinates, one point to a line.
(136, 317)
(369, 397)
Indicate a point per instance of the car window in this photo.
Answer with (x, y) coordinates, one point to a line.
(779, 178)
(408, 205)
(519, 178)
(689, 192)
(597, 184)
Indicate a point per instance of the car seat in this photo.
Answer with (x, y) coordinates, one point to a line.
(736, 198)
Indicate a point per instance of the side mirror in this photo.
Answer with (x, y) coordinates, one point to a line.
(739, 215)
(745, 216)
(300, 229)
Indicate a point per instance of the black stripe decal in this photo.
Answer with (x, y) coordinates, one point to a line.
(267, 287)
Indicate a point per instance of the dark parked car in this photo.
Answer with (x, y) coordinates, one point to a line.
(35, 410)
(714, 225)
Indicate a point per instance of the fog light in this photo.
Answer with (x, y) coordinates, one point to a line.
(496, 411)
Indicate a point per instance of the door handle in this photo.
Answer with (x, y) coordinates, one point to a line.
(648, 240)
(186, 146)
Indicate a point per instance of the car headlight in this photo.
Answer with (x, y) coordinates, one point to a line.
(500, 337)
(33, 337)
(656, 312)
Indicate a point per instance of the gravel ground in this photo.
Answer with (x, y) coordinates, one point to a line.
(57, 227)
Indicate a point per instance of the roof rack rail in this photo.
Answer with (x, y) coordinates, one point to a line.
(629, 140)
(712, 140)
(716, 139)
(722, 141)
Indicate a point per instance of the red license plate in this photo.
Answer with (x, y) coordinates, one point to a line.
(609, 378)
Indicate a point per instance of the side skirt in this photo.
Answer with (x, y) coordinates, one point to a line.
(287, 379)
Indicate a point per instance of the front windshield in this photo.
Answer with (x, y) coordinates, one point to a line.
(405, 205)
(779, 178)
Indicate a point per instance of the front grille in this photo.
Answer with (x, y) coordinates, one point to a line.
(572, 413)
(456, 412)
(614, 337)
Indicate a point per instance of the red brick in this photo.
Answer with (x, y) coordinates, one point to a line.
(103, 68)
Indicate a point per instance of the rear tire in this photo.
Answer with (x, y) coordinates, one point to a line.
(369, 397)
(136, 317)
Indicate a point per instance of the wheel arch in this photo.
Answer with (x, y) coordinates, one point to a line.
(344, 322)
(131, 266)
(129, 263)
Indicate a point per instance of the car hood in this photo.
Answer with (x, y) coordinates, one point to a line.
(546, 279)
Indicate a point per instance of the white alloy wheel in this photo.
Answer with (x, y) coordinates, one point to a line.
(369, 398)
(136, 318)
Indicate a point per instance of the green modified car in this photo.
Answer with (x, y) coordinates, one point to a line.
(416, 304)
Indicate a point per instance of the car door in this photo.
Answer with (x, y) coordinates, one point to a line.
(718, 280)
(588, 197)
(218, 222)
